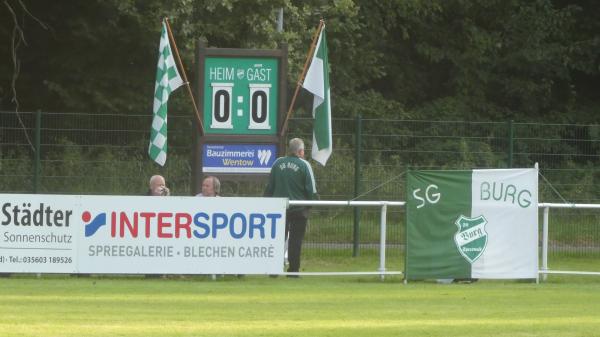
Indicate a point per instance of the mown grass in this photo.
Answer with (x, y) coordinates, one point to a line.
(310, 306)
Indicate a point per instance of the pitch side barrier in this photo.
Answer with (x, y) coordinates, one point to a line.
(544, 271)
(545, 207)
(94, 234)
(382, 224)
(44, 234)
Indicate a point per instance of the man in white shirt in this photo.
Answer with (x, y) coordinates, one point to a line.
(211, 187)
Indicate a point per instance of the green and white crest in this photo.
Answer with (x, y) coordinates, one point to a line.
(471, 237)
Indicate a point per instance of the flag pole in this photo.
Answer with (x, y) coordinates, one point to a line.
(301, 78)
(187, 83)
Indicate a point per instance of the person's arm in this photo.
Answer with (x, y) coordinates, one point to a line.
(270, 185)
(310, 185)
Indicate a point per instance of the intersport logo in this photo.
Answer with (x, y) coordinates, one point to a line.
(92, 226)
(168, 225)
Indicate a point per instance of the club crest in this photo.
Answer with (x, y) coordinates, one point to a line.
(471, 237)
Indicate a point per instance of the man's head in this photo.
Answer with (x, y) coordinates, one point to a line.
(211, 186)
(157, 186)
(296, 147)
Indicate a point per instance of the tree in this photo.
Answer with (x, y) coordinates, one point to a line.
(480, 59)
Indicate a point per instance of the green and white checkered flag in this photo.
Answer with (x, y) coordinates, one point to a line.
(317, 82)
(167, 80)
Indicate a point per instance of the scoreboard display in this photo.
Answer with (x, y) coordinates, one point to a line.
(241, 95)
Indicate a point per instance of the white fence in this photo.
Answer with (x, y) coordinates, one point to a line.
(382, 225)
(545, 207)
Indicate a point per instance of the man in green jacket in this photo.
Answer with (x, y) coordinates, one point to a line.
(292, 177)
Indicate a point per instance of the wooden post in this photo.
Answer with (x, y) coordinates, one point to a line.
(301, 78)
(187, 83)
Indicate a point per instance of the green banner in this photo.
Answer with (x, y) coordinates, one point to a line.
(426, 210)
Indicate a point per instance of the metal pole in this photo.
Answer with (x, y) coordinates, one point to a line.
(36, 162)
(545, 243)
(511, 135)
(186, 82)
(357, 177)
(280, 20)
(382, 222)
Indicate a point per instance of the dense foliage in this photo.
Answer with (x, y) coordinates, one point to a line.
(487, 60)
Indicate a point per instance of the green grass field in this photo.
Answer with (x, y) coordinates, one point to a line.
(310, 306)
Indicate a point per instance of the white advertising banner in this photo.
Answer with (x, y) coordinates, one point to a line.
(139, 234)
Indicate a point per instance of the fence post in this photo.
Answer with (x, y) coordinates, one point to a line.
(36, 160)
(383, 228)
(511, 135)
(357, 176)
(545, 243)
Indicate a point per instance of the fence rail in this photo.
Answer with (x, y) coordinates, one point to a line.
(545, 207)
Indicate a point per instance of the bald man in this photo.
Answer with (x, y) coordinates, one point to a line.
(157, 186)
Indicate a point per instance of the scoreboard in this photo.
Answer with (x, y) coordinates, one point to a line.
(242, 97)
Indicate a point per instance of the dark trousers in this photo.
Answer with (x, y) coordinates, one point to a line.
(295, 227)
